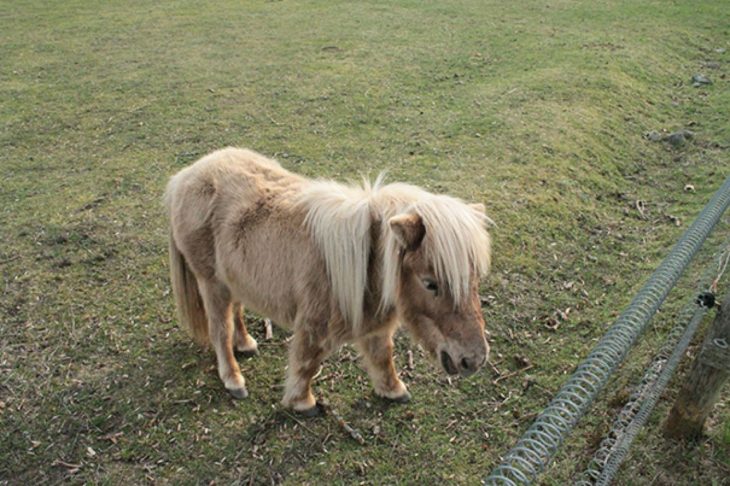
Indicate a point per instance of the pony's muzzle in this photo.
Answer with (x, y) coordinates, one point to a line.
(456, 360)
(464, 366)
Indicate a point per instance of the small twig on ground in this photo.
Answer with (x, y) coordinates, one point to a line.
(409, 354)
(67, 465)
(291, 416)
(268, 329)
(510, 374)
(8, 260)
(347, 427)
(506, 399)
(494, 368)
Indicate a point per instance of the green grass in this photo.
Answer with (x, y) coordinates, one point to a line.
(537, 109)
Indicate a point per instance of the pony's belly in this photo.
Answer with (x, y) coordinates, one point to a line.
(272, 306)
(264, 261)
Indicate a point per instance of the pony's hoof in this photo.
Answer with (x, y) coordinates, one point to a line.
(238, 393)
(405, 398)
(316, 411)
(248, 353)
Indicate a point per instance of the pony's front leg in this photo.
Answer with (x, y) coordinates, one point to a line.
(305, 356)
(377, 354)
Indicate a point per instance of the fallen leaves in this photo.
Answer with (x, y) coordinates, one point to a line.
(552, 323)
(112, 437)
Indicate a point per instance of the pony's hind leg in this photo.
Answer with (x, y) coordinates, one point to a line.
(377, 354)
(244, 342)
(217, 302)
(305, 357)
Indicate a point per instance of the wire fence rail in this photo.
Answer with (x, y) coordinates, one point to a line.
(540, 442)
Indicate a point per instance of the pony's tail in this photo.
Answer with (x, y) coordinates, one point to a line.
(190, 310)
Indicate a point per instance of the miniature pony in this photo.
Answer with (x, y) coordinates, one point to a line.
(332, 263)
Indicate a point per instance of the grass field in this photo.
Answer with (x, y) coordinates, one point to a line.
(536, 109)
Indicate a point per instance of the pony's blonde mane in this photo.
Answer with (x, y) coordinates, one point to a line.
(340, 219)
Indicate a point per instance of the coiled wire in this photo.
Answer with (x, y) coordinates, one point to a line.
(541, 441)
(628, 422)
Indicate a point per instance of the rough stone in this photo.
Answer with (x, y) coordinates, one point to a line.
(679, 138)
(700, 79)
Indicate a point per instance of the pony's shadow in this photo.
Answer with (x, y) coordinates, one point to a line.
(173, 390)
(260, 419)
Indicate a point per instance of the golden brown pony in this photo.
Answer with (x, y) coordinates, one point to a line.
(334, 264)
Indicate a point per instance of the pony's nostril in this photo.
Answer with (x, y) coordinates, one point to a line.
(448, 363)
(468, 366)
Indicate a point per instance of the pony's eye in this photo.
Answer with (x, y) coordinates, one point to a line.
(431, 286)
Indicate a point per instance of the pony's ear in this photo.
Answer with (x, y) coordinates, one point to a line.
(408, 229)
(479, 208)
